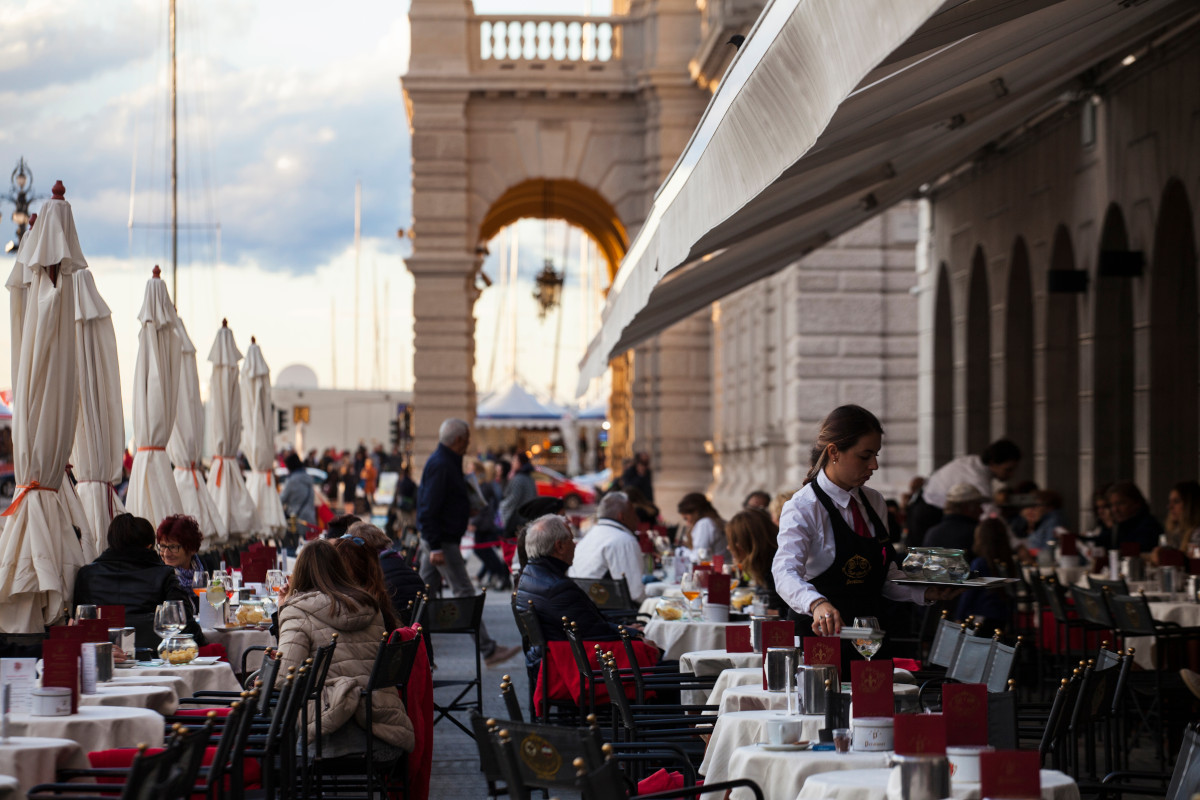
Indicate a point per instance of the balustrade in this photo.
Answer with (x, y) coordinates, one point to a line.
(550, 39)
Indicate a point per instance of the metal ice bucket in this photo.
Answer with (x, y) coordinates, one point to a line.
(810, 680)
(756, 633)
(781, 668)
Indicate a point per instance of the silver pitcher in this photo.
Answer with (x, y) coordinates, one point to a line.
(781, 665)
(756, 633)
(923, 777)
(810, 680)
(104, 661)
(1168, 579)
(1133, 568)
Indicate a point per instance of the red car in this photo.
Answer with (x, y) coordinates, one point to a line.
(553, 484)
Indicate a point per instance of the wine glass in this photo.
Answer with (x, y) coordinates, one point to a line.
(735, 575)
(689, 586)
(275, 581)
(869, 645)
(169, 619)
(199, 582)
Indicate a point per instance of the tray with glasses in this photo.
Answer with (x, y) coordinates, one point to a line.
(969, 583)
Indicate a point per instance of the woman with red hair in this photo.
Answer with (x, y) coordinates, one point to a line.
(179, 541)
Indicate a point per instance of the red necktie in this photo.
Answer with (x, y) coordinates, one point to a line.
(860, 524)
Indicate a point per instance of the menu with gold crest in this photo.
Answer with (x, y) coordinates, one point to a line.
(871, 688)
(1010, 773)
(965, 708)
(923, 735)
(823, 650)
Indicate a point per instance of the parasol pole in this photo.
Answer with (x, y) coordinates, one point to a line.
(174, 173)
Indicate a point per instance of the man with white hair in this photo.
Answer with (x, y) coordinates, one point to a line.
(611, 549)
(443, 512)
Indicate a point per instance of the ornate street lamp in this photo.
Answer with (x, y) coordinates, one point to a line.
(549, 289)
(21, 196)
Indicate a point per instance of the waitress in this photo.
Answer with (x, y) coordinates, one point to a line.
(835, 560)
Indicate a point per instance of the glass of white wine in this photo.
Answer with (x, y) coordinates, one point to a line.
(215, 593)
(689, 586)
(868, 646)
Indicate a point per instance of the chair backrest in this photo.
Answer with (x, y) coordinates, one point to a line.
(1106, 658)
(1092, 606)
(319, 670)
(616, 691)
(393, 662)
(530, 626)
(416, 610)
(611, 595)
(1000, 665)
(453, 614)
(512, 703)
(946, 639)
(1056, 599)
(1117, 586)
(151, 776)
(231, 747)
(1131, 615)
(634, 667)
(1185, 780)
(489, 757)
(193, 747)
(1002, 720)
(970, 663)
(544, 755)
(268, 674)
(1059, 719)
(578, 651)
(1095, 699)
(287, 710)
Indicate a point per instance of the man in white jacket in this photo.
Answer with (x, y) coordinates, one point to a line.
(610, 549)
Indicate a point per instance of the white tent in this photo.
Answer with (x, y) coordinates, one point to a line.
(184, 449)
(223, 433)
(152, 493)
(516, 407)
(258, 443)
(39, 554)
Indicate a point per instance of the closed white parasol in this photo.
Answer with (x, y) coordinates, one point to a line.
(39, 552)
(152, 493)
(258, 443)
(184, 449)
(223, 434)
(100, 435)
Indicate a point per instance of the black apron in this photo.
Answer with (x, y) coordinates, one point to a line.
(854, 582)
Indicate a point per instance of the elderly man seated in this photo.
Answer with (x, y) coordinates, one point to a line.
(964, 504)
(611, 549)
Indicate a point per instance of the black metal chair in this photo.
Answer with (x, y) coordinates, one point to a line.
(1055, 738)
(512, 704)
(611, 597)
(1002, 718)
(457, 616)
(1117, 586)
(1182, 784)
(1092, 715)
(1092, 607)
(1001, 662)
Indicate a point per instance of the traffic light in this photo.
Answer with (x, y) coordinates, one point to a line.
(394, 426)
(281, 420)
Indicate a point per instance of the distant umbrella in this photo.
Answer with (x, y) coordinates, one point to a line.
(223, 431)
(258, 442)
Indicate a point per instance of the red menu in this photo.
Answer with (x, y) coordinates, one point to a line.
(254, 567)
(965, 708)
(737, 639)
(113, 616)
(72, 633)
(823, 650)
(93, 630)
(778, 633)
(61, 666)
(871, 688)
(718, 563)
(1010, 773)
(923, 735)
(718, 590)
(1067, 545)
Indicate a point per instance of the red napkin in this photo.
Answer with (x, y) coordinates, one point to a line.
(718, 589)
(923, 735)
(113, 616)
(61, 666)
(660, 781)
(823, 650)
(871, 688)
(964, 705)
(737, 639)
(220, 711)
(910, 664)
(1010, 773)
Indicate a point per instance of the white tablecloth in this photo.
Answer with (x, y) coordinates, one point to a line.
(659, 588)
(883, 784)
(740, 728)
(178, 686)
(754, 698)
(714, 662)
(1185, 614)
(732, 679)
(94, 727)
(34, 760)
(195, 677)
(10, 789)
(782, 775)
(236, 642)
(677, 637)
(156, 698)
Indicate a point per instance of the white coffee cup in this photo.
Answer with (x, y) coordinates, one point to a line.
(783, 731)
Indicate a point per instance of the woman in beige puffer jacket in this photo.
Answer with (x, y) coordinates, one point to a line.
(308, 619)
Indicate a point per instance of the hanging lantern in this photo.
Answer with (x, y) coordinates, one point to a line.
(549, 289)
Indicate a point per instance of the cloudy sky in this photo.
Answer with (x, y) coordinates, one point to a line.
(283, 106)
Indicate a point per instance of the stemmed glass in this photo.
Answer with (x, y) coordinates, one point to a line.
(868, 646)
(169, 619)
(275, 581)
(689, 586)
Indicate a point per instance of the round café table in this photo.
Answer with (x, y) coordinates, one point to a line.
(715, 662)
(782, 774)
(238, 641)
(195, 677)
(731, 679)
(95, 727)
(884, 784)
(741, 728)
(156, 698)
(756, 698)
(1182, 612)
(676, 637)
(30, 760)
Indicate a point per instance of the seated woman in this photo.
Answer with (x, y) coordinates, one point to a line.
(752, 543)
(993, 559)
(1183, 516)
(129, 573)
(1101, 535)
(1132, 521)
(1042, 518)
(706, 528)
(360, 559)
(322, 600)
(179, 541)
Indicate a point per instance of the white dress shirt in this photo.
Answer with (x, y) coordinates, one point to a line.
(708, 534)
(610, 547)
(807, 545)
(964, 469)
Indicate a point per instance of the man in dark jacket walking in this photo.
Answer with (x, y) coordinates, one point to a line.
(443, 511)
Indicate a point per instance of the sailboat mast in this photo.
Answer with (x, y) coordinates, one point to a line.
(174, 173)
(357, 253)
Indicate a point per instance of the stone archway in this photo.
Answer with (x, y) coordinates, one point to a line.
(1112, 365)
(1174, 347)
(1018, 355)
(1060, 379)
(979, 356)
(943, 370)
